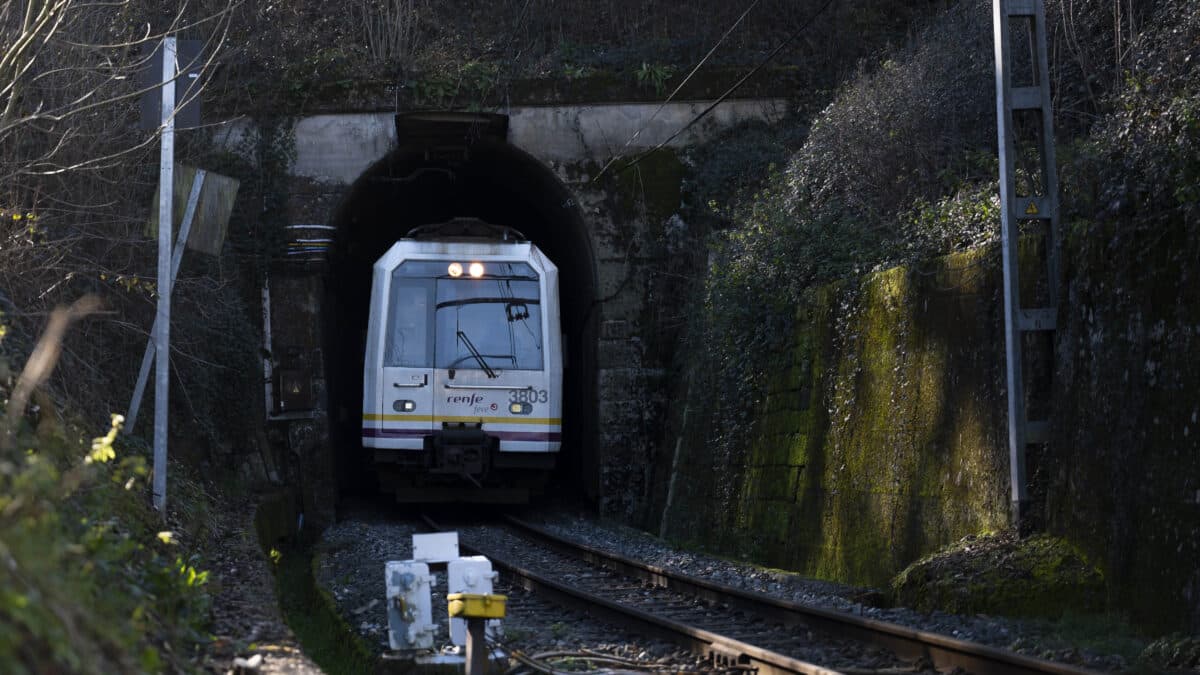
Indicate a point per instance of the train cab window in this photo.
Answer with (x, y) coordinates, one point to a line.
(409, 341)
(490, 323)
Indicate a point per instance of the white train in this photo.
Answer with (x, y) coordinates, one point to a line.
(462, 384)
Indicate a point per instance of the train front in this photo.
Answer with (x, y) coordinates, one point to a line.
(462, 392)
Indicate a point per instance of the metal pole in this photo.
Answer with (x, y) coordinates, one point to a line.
(1040, 205)
(162, 333)
(1008, 247)
(139, 389)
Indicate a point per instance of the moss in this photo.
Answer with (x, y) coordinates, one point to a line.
(309, 611)
(880, 435)
(651, 188)
(1041, 576)
(276, 519)
(312, 614)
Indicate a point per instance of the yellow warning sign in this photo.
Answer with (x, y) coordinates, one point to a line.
(1032, 209)
(296, 388)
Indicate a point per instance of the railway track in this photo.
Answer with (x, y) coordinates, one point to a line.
(734, 627)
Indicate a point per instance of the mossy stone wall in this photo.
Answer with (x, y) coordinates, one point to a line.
(1125, 465)
(630, 210)
(883, 433)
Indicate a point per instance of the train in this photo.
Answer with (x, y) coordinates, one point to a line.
(462, 377)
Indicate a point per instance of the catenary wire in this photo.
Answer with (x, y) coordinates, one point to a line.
(728, 92)
(678, 87)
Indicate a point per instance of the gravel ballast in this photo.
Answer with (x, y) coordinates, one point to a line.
(352, 554)
(350, 565)
(1026, 637)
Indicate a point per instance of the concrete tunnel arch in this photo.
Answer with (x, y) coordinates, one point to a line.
(419, 183)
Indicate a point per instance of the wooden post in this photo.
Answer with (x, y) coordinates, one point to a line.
(477, 649)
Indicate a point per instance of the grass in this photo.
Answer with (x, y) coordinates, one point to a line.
(324, 635)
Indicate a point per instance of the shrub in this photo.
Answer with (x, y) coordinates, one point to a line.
(88, 584)
(1142, 159)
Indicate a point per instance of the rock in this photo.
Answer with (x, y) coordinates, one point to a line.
(367, 607)
(1002, 574)
(248, 666)
(1174, 652)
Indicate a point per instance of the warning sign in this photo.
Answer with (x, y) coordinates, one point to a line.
(1032, 209)
(295, 390)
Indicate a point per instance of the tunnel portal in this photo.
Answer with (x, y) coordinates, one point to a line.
(445, 166)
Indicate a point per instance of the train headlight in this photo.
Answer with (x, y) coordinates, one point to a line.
(404, 406)
(455, 269)
(520, 408)
(476, 270)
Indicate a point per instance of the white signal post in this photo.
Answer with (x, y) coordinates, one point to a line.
(162, 322)
(1040, 205)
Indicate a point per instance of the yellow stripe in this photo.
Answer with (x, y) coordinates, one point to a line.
(368, 417)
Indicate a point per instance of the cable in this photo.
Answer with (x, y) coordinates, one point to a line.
(678, 87)
(728, 92)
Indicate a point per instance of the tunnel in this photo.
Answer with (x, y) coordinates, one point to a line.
(448, 165)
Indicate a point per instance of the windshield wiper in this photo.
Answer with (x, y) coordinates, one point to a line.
(478, 357)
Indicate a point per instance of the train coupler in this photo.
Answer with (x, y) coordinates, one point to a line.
(461, 448)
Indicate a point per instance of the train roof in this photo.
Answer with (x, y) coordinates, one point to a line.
(471, 230)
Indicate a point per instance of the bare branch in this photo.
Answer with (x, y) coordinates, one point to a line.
(41, 363)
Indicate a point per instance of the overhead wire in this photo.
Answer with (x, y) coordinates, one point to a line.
(679, 87)
(728, 92)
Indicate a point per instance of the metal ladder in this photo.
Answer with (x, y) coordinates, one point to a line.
(1041, 207)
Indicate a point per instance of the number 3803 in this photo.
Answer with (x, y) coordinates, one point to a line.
(528, 396)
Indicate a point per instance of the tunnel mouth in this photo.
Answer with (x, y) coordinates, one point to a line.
(426, 180)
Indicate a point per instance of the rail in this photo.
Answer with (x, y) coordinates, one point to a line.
(945, 653)
(722, 649)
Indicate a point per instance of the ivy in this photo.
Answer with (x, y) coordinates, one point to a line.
(85, 586)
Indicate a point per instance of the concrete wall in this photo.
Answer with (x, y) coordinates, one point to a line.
(626, 215)
(338, 148)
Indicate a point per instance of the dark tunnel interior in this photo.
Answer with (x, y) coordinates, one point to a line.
(495, 182)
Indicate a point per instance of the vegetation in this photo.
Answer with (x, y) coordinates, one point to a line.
(313, 615)
(91, 580)
(418, 51)
(888, 162)
(77, 179)
(1001, 574)
(900, 166)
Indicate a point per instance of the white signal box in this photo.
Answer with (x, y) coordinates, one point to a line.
(410, 614)
(438, 547)
(470, 575)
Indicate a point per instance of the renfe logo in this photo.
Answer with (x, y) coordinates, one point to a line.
(468, 400)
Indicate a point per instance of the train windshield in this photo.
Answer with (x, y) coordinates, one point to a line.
(491, 322)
